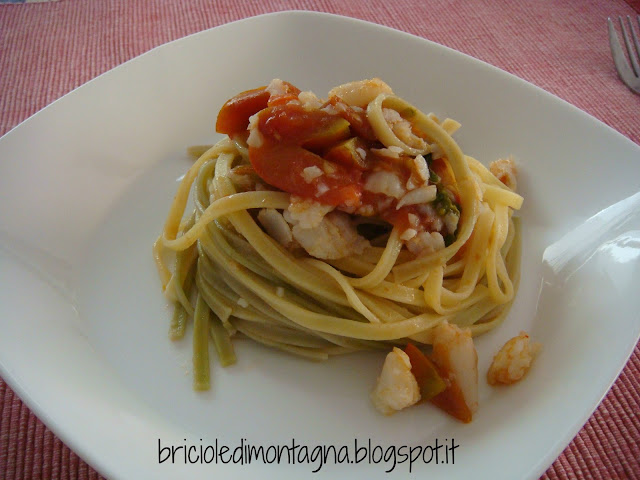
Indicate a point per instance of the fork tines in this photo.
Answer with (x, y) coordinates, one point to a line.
(630, 74)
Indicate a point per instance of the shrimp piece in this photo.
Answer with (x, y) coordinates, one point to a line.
(360, 93)
(402, 129)
(306, 212)
(513, 360)
(425, 242)
(505, 170)
(387, 183)
(396, 387)
(334, 237)
(457, 360)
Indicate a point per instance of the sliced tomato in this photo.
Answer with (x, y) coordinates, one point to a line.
(234, 114)
(451, 400)
(292, 124)
(357, 118)
(289, 92)
(426, 373)
(351, 153)
(283, 165)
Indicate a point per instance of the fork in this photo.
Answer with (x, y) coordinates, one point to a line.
(630, 75)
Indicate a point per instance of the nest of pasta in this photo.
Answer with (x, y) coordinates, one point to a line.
(326, 226)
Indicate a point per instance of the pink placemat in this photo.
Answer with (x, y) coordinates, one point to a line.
(47, 49)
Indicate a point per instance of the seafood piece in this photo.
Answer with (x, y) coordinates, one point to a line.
(455, 356)
(402, 129)
(387, 183)
(306, 212)
(425, 242)
(360, 93)
(396, 388)
(505, 170)
(334, 237)
(513, 360)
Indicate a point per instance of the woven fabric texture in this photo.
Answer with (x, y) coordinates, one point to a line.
(47, 49)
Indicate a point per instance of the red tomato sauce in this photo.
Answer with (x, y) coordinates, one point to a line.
(322, 154)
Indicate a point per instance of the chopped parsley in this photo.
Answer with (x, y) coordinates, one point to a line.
(444, 203)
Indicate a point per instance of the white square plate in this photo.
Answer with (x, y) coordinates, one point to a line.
(85, 185)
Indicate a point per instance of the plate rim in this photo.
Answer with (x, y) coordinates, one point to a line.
(65, 433)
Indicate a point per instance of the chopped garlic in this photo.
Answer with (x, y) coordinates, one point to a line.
(385, 182)
(421, 195)
(408, 234)
(309, 101)
(255, 138)
(422, 169)
(311, 173)
(242, 302)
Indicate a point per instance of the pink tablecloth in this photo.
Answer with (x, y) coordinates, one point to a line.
(47, 49)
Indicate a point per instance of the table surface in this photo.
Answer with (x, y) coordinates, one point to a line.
(49, 48)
